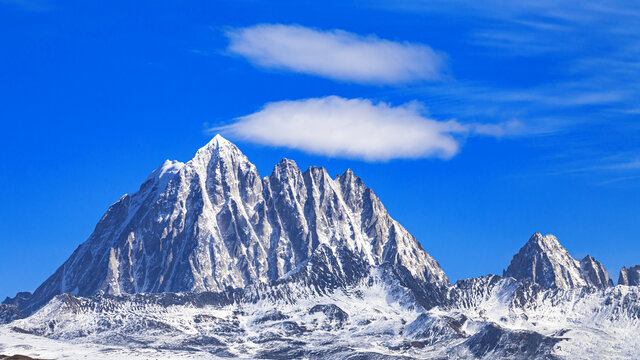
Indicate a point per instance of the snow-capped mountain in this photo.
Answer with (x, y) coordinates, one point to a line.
(214, 223)
(209, 260)
(547, 263)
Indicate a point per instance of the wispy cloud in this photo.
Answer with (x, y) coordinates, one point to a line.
(619, 167)
(359, 128)
(336, 54)
(584, 61)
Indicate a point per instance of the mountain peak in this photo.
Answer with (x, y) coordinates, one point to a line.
(287, 170)
(544, 261)
(594, 272)
(218, 143)
(220, 140)
(347, 177)
(545, 242)
(217, 224)
(629, 276)
(286, 165)
(218, 149)
(167, 169)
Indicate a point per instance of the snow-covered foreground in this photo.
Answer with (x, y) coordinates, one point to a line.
(12, 343)
(487, 318)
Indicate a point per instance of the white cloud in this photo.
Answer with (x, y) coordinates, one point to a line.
(357, 128)
(336, 54)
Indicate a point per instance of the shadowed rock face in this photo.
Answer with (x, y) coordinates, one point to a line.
(8, 313)
(547, 263)
(496, 342)
(19, 300)
(16, 357)
(594, 273)
(629, 276)
(214, 223)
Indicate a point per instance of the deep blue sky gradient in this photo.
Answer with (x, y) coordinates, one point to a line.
(95, 95)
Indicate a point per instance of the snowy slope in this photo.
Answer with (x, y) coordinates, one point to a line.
(486, 318)
(209, 260)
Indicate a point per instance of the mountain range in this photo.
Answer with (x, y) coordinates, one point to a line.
(208, 259)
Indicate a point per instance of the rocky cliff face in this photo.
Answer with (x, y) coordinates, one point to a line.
(547, 263)
(594, 273)
(214, 223)
(629, 276)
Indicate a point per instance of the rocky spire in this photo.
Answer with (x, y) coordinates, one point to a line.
(629, 276)
(544, 261)
(594, 273)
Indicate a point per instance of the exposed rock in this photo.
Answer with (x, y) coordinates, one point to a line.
(9, 313)
(547, 263)
(331, 311)
(495, 342)
(629, 276)
(594, 273)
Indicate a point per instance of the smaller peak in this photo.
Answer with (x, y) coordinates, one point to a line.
(594, 272)
(168, 167)
(167, 164)
(546, 262)
(348, 177)
(314, 169)
(587, 258)
(629, 276)
(285, 166)
(347, 174)
(318, 171)
(162, 175)
(286, 162)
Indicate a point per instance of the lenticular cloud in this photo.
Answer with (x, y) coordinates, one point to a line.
(336, 54)
(353, 128)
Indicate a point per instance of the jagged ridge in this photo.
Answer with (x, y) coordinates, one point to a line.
(547, 263)
(213, 223)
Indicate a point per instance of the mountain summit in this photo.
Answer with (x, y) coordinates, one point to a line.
(214, 223)
(629, 276)
(545, 262)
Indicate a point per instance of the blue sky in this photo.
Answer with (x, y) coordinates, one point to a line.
(476, 124)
